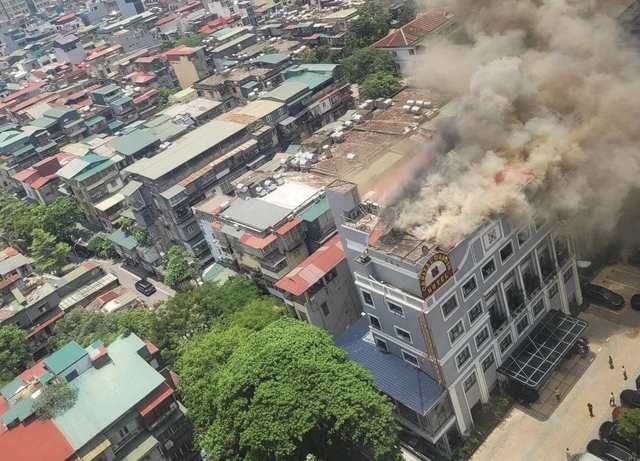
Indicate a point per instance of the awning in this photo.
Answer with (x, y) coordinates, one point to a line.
(543, 348)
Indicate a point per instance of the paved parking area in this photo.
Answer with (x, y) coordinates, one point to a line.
(523, 437)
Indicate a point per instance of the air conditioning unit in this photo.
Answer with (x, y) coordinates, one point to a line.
(173, 406)
(168, 445)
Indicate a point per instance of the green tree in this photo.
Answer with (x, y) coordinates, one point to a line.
(362, 63)
(407, 13)
(629, 426)
(287, 391)
(164, 96)
(182, 268)
(130, 227)
(372, 24)
(48, 255)
(60, 218)
(54, 400)
(14, 353)
(18, 219)
(101, 246)
(320, 54)
(190, 41)
(380, 85)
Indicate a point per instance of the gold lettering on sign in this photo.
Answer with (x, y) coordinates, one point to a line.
(442, 271)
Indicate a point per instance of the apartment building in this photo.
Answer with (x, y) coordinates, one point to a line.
(445, 327)
(201, 162)
(15, 9)
(189, 64)
(124, 410)
(40, 181)
(69, 49)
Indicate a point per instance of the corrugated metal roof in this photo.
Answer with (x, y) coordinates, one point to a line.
(83, 293)
(393, 376)
(313, 212)
(257, 242)
(131, 187)
(118, 237)
(255, 213)
(63, 358)
(312, 269)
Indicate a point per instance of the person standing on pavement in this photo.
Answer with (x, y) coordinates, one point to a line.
(568, 454)
(612, 400)
(590, 407)
(557, 394)
(624, 372)
(610, 362)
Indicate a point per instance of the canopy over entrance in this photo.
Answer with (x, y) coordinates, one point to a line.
(543, 348)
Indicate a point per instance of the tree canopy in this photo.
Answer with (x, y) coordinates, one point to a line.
(14, 353)
(190, 41)
(372, 24)
(362, 63)
(182, 268)
(54, 400)
(287, 391)
(629, 426)
(101, 246)
(380, 85)
(130, 227)
(49, 256)
(60, 218)
(320, 54)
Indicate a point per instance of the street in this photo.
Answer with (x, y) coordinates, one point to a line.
(128, 280)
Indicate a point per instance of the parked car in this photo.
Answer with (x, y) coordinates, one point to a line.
(630, 398)
(635, 302)
(603, 297)
(608, 433)
(608, 452)
(145, 287)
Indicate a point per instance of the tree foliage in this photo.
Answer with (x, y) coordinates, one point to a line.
(407, 13)
(165, 93)
(372, 24)
(182, 268)
(49, 256)
(190, 41)
(364, 62)
(380, 85)
(86, 327)
(60, 218)
(101, 246)
(629, 426)
(54, 400)
(320, 54)
(195, 311)
(287, 391)
(130, 228)
(14, 353)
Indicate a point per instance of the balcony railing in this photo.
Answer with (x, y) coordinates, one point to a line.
(498, 321)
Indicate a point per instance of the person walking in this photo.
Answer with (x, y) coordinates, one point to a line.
(557, 394)
(624, 372)
(610, 362)
(590, 407)
(612, 400)
(568, 454)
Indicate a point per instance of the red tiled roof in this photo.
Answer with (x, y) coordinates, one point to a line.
(24, 175)
(140, 77)
(38, 183)
(34, 372)
(65, 18)
(8, 253)
(257, 242)
(215, 25)
(23, 91)
(181, 50)
(288, 226)
(101, 53)
(145, 96)
(313, 268)
(151, 347)
(97, 49)
(5, 283)
(161, 393)
(165, 20)
(290, 27)
(217, 225)
(413, 31)
(44, 325)
(188, 7)
(147, 59)
(39, 74)
(31, 101)
(313, 37)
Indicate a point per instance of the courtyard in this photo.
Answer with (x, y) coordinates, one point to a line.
(522, 436)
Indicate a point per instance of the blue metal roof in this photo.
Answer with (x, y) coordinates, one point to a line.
(393, 376)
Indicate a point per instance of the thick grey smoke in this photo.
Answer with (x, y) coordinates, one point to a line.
(549, 87)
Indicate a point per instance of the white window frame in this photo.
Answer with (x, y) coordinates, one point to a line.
(459, 365)
(533, 308)
(446, 316)
(472, 377)
(379, 340)
(528, 230)
(472, 321)
(510, 255)
(535, 223)
(500, 343)
(364, 299)
(395, 328)
(389, 303)
(484, 341)
(520, 333)
(493, 361)
(455, 340)
(468, 295)
(371, 323)
(553, 287)
(404, 357)
(495, 269)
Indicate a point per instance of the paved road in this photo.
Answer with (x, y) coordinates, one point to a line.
(128, 279)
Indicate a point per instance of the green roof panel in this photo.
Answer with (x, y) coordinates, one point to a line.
(63, 358)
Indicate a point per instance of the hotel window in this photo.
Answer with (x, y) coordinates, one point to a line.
(469, 287)
(456, 332)
(506, 252)
(539, 222)
(538, 307)
(462, 357)
(469, 382)
(396, 309)
(505, 343)
(486, 363)
(412, 359)
(375, 322)
(449, 306)
(368, 299)
(553, 290)
(404, 335)
(488, 269)
(567, 275)
(382, 345)
(482, 337)
(522, 325)
(475, 312)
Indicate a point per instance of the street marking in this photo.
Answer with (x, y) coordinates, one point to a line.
(599, 349)
(160, 289)
(627, 272)
(607, 340)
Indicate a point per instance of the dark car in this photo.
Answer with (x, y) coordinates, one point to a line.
(608, 452)
(603, 297)
(608, 433)
(635, 302)
(145, 287)
(630, 398)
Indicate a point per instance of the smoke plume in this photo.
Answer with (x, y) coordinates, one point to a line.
(548, 87)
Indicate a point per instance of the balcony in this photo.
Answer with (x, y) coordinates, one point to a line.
(548, 270)
(532, 284)
(515, 301)
(498, 319)
(562, 253)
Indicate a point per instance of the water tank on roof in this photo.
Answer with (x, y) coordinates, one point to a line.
(419, 103)
(411, 102)
(415, 110)
(273, 186)
(352, 157)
